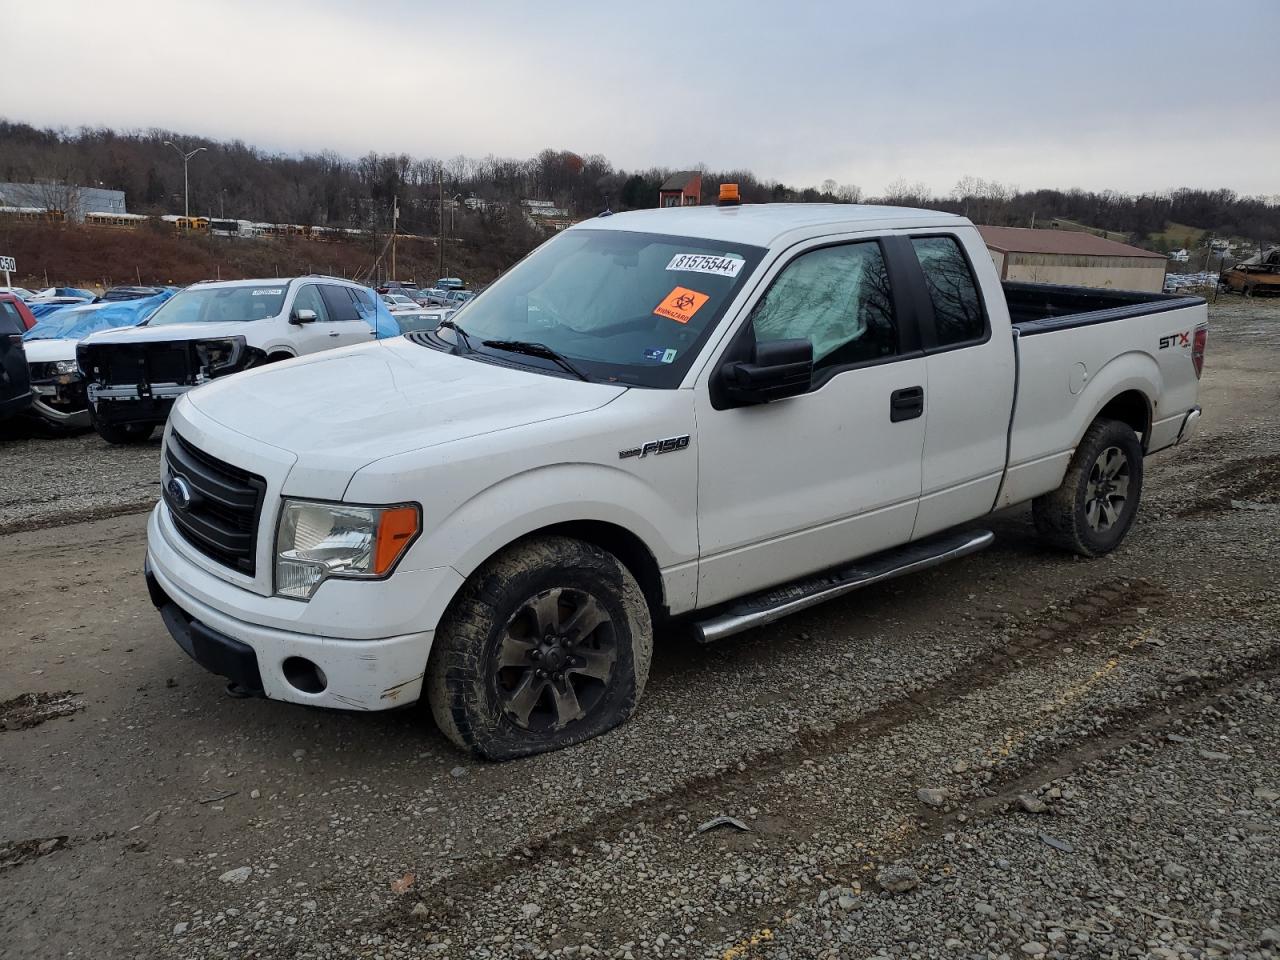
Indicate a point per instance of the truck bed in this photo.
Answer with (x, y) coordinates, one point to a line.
(1042, 307)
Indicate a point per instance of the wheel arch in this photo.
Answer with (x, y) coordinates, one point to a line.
(1131, 407)
(1125, 389)
(632, 552)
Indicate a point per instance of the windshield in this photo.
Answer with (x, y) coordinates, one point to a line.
(222, 304)
(626, 307)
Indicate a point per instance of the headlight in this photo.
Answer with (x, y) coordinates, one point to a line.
(316, 541)
(219, 356)
(53, 369)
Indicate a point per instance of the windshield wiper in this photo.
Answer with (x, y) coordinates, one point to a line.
(462, 334)
(531, 349)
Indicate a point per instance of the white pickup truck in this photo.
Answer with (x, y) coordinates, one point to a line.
(702, 418)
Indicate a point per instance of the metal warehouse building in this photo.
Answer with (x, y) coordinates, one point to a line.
(1074, 258)
(74, 201)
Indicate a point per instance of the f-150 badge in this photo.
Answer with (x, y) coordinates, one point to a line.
(669, 445)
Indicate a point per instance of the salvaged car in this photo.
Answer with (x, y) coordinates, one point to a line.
(15, 386)
(56, 381)
(211, 330)
(1259, 274)
(693, 421)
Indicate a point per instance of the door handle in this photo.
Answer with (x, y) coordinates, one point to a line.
(333, 334)
(906, 404)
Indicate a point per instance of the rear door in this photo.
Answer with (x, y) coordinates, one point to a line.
(970, 373)
(15, 383)
(345, 326)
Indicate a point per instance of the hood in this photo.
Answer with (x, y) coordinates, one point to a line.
(341, 410)
(49, 351)
(171, 331)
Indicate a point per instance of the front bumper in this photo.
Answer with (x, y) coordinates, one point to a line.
(61, 402)
(120, 409)
(354, 674)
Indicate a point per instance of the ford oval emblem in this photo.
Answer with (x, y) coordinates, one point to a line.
(180, 492)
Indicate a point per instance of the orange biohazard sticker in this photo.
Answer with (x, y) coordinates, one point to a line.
(681, 304)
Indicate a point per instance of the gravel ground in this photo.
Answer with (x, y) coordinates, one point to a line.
(1019, 754)
(67, 479)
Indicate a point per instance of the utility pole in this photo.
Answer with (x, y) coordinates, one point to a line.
(440, 249)
(186, 189)
(395, 217)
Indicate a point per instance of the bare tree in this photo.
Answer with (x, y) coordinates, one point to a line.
(849, 193)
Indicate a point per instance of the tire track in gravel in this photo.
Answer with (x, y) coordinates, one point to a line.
(1110, 604)
(1146, 722)
(1252, 479)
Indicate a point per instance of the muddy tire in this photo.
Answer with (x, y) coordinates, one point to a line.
(1095, 506)
(547, 645)
(124, 433)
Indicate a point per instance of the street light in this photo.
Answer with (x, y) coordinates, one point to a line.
(186, 190)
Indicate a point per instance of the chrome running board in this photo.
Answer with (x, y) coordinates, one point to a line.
(775, 603)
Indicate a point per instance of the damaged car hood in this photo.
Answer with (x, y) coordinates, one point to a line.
(170, 331)
(340, 410)
(50, 351)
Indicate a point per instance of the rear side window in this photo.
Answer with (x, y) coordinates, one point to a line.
(10, 319)
(837, 298)
(340, 303)
(957, 307)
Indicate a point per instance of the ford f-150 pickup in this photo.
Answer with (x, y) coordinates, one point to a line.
(699, 419)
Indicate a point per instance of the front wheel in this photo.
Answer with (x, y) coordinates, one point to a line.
(1095, 506)
(547, 645)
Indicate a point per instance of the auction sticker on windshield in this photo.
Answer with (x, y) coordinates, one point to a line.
(706, 263)
(681, 304)
(267, 293)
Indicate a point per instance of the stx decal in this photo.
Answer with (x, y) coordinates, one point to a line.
(1176, 340)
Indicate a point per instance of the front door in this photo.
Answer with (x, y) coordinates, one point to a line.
(801, 484)
(313, 336)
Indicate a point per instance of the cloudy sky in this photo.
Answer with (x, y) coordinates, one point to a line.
(1124, 94)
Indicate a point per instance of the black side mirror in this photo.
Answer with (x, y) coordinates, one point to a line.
(781, 368)
(303, 316)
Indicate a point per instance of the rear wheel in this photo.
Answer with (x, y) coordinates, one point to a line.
(124, 433)
(1095, 506)
(548, 645)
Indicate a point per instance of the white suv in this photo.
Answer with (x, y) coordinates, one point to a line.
(210, 330)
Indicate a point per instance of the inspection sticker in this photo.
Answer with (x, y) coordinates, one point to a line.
(681, 304)
(706, 263)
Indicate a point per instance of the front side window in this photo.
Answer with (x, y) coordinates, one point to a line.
(308, 298)
(957, 308)
(221, 304)
(623, 306)
(838, 299)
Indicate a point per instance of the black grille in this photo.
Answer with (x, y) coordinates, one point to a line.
(221, 519)
(129, 364)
